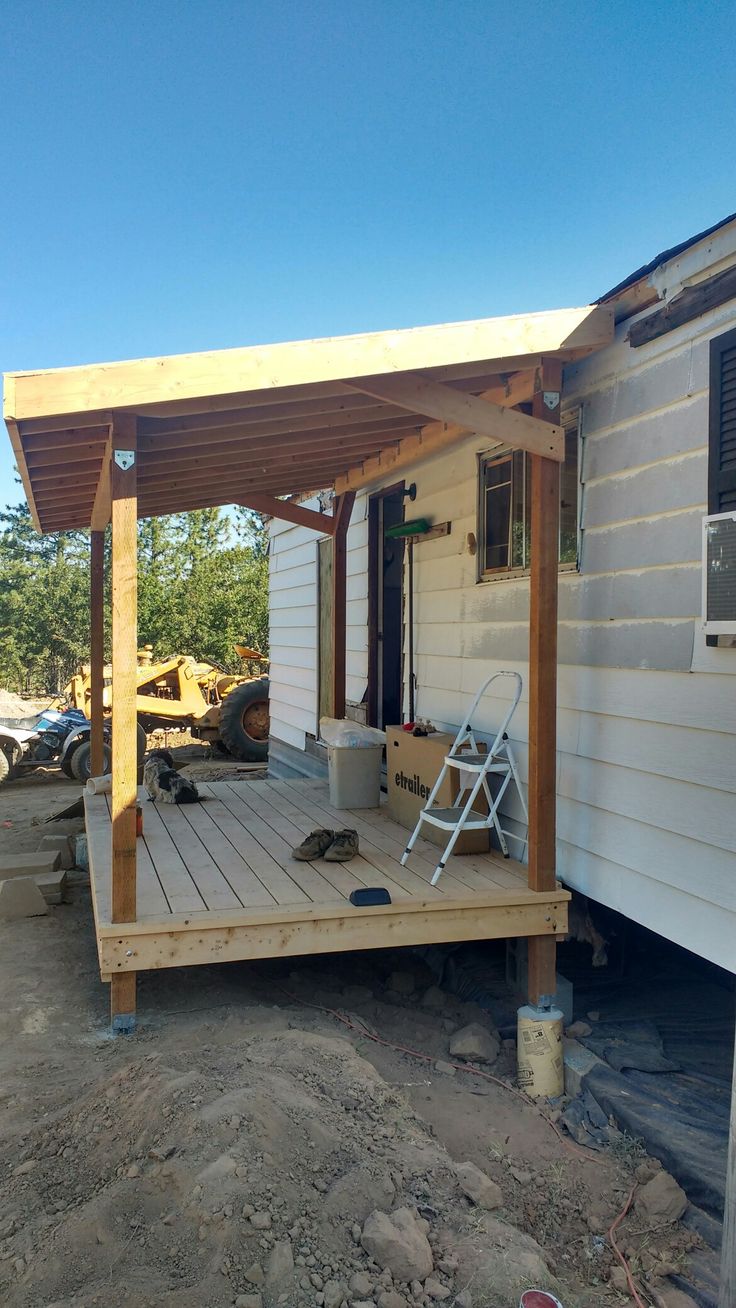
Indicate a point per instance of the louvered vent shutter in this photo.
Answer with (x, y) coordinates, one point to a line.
(722, 451)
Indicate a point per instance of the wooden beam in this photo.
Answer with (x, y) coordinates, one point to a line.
(544, 561)
(432, 439)
(49, 446)
(342, 510)
(97, 647)
(102, 507)
(500, 425)
(691, 303)
(267, 419)
(324, 523)
(727, 1295)
(124, 690)
(267, 452)
(139, 382)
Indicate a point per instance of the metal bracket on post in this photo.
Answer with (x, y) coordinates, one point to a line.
(545, 1003)
(124, 1023)
(552, 400)
(124, 459)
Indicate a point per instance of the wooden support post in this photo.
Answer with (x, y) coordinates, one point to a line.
(124, 688)
(727, 1295)
(96, 648)
(544, 550)
(342, 510)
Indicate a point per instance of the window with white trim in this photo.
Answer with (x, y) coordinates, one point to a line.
(504, 510)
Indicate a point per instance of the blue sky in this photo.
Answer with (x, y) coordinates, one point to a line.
(182, 176)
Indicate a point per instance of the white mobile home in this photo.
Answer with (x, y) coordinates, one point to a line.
(646, 773)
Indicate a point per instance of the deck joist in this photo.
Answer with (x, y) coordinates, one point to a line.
(216, 882)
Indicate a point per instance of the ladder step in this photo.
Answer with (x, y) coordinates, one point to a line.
(477, 763)
(448, 818)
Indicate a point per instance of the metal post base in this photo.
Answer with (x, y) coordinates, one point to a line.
(124, 1023)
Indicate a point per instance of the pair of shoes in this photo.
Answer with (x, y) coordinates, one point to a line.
(334, 846)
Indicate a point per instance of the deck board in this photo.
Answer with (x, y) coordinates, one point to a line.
(217, 881)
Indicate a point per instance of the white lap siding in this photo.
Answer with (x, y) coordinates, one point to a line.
(647, 714)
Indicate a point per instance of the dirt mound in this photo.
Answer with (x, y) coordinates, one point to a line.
(14, 706)
(192, 1181)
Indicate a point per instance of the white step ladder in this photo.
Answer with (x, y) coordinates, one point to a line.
(499, 761)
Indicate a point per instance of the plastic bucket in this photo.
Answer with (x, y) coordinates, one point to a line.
(539, 1061)
(355, 775)
(538, 1299)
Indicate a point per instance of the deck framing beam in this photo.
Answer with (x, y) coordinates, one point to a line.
(272, 507)
(502, 426)
(544, 550)
(124, 689)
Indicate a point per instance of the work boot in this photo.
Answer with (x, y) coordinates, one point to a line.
(314, 845)
(344, 846)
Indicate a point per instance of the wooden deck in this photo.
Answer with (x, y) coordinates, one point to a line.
(216, 882)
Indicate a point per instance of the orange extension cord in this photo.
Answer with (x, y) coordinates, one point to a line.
(361, 1029)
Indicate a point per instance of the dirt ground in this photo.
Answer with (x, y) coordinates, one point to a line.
(231, 1150)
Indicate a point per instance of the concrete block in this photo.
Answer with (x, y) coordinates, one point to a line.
(28, 865)
(52, 885)
(20, 897)
(62, 845)
(577, 1061)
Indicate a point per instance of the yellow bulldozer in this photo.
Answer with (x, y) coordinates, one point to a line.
(182, 693)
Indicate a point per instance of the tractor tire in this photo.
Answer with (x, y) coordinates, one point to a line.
(81, 761)
(6, 768)
(244, 721)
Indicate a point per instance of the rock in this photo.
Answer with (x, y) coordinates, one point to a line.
(475, 1043)
(446, 1068)
(402, 982)
(464, 1299)
(361, 1285)
(661, 1200)
(578, 1029)
(334, 1294)
(391, 1299)
(484, 1192)
(594, 1015)
(260, 1221)
(433, 998)
(397, 1243)
(249, 1301)
(520, 1176)
(435, 1289)
(280, 1267)
(19, 898)
(645, 1172)
(255, 1274)
(24, 1168)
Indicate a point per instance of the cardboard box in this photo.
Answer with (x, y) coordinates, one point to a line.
(413, 764)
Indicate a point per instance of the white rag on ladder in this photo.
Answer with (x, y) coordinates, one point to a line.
(473, 770)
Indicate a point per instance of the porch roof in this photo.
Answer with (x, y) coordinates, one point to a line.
(249, 425)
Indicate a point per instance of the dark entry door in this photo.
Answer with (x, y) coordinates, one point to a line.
(385, 608)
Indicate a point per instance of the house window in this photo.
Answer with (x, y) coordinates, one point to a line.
(722, 425)
(505, 507)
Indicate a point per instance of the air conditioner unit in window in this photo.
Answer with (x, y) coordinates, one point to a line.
(719, 574)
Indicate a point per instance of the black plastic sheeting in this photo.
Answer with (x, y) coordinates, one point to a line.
(682, 1119)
